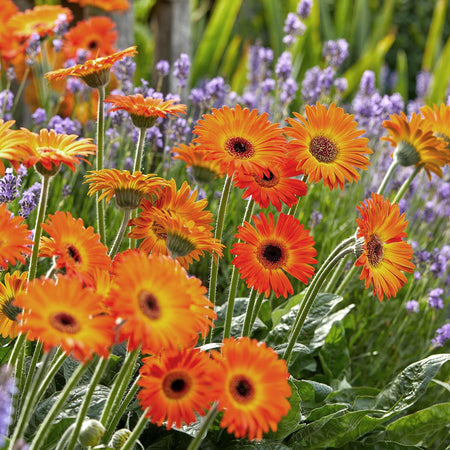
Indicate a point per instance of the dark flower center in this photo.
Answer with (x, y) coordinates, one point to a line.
(159, 230)
(176, 384)
(65, 322)
(239, 148)
(374, 250)
(74, 253)
(149, 305)
(9, 310)
(271, 255)
(323, 149)
(267, 180)
(92, 45)
(242, 389)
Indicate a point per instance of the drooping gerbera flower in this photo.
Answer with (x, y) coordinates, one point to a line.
(438, 119)
(415, 144)
(240, 139)
(158, 305)
(94, 72)
(96, 35)
(15, 239)
(11, 142)
(327, 145)
(254, 395)
(11, 286)
(107, 5)
(177, 386)
(50, 149)
(385, 255)
(64, 313)
(144, 111)
(273, 187)
(129, 189)
(77, 249)
(268, 250)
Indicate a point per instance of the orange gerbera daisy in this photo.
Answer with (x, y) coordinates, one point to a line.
(49, 150)
(268, 250)
(415, 143)
(107, 5)
(77, 249)
(385, 256)
(176, 386)
(94, 72)
(327, 145)
(150, 295)
(129, 189)
(41, 19)
(64, 313)
(96, 35)
(144, 111)
(256, 388)
(15, 239)
(438, 119)
(11, 286)
(11, 142)
(240, 139)
(273, 187)
(8, 10)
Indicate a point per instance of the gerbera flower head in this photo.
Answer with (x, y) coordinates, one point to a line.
(128, 189)
(11, 145)
(327, 145)
(385, 256)
(268, 250)
(240, 139)
(150, 295)
(77, 249)
(65, 313)
(438, 119)
(8, 10)
(11, 286)
(415, 144)
(94, 72)
(256, 388)
(50, 149)
(144, 111)
(275, 186)
(107, 5)
(96, 35)
(15, 239)
(178, 385)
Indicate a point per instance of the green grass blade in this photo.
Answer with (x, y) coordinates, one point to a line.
(434, 35)
(441, 76)
(327, 23)
(275, 21)
(402, 74)
(382, 23)
(343, 8)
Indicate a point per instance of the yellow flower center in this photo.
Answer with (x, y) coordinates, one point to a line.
(239, 148)
(65, 322)
(374, 250)
(149, 305)
(323, 149)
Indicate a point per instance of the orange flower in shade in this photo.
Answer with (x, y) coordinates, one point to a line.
(241, 140)
(11, 286)
(11, 142)
(64, 313)
(50, 149)
(385, 256)
(144, 111)
(256, 388)
(96, 35)
(129, 189)
(327, 145)
(41, 19)
(157, 304)
(107, 5)
(77, 249)
(14, 238)
(177, 386)
(274, 186)
(415, 143)
(438, 119)
(7, 45)
(94, 72)
(268, 250)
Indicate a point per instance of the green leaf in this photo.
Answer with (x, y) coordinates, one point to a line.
(382, 445)
(401, 85)
(240, 306)
(343, 11)
(284, 309)
(274, 17)
(311, 393)
(334, 354)
(325, 410)
(434, 35)
(242, 445)
(441, 75)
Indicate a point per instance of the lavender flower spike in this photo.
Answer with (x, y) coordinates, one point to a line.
(304, 8)
(442, 335)
(7, 390)
(181, 69)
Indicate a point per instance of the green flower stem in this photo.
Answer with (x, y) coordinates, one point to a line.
(139, 150)
(101, 366)
(335, 276)
(346, 280)
(256, 309)
(44, 428)
(99, 162)
(121, 233)
(401, 192)
(138, 429)
(309, 298)
(17, 350)
(387, 177)
(235, 280)
(208, 420)
(246, 328)
(63, 441)
(293, 210)
(20, 377)
(20, 90)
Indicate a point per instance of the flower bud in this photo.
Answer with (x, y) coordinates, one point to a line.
(119, 438)
(91, 432)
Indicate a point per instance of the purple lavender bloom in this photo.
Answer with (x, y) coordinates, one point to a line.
(29, 200)
(198, 97)
(288, 91)
(62, 25)
(181, 69)
(412, 306)
(179, 130)
(7, 390)
(124, 70)
(283, 68)
(249, 99)
(315, 219)
(423, 81)
(414, 106)
(293, 27)
(397, 104)
(57, 44)
(403, 205)
(33, 48)
(268, 86)
(367, 83)
(9, 187)
(163, 68)
(82, 56)
(304, 8)
(64, 126)
(233, 98)
(75, 85)
(10, 74)
(128, 164)
(66, 190)
(442, 335)
(434, 298)
(289, 40)
(265, 55)
(326, 79)
(340, 84)
(216, 88)
(6, 100)
(39, 116)
(311, 88)
(155, 137)
(335, 52)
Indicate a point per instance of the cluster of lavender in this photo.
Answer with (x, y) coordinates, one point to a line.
(7, 390)
(293, 25)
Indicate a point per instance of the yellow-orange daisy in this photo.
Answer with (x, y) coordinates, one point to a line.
(15, 239)
(438, 119)
(128, 189)
(144, 111)
(11, 286)
(327, 145)
(275, 186)
(50, 149)
(94, 72)
(240, 139)
(77, 249)
(256, 388)
(11, 145)
(385, 256)
(268, 250)
(150, 295)
(107, 5)
(415, 144)
(177, 386)
(64, 313)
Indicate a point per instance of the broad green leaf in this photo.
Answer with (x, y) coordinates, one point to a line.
(350, 395)
(325, 410)
(263, 445)
(279, 312)
(434, 35)
(381, 445)
(334, 354)
(301, 359)
(312, 393)
(240, 306)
